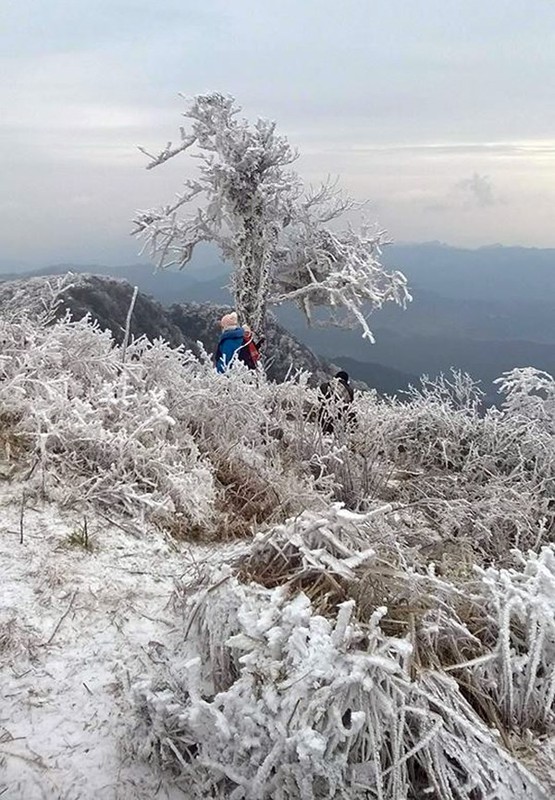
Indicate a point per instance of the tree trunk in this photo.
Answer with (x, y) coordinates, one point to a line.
(251, 284)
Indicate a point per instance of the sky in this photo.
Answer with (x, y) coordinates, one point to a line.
(441, 113)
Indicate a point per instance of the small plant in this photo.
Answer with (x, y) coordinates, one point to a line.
(79, 537)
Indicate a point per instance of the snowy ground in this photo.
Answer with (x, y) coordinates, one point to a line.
(76, 627)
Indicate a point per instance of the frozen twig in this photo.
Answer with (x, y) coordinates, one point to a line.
(21, 517)
(128, 324)
(64, 615)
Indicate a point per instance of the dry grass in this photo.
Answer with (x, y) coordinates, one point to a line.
(15, 639)
(247, 495)
(445, 618)
(245, 501)
(381, 582)
(282, 562)
(179, 527)
(414, 606)
(80, 538)
(283, 566)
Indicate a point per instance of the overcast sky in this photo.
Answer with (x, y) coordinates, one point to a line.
(441, 112)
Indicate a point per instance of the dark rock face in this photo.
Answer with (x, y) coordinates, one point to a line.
(107, 300)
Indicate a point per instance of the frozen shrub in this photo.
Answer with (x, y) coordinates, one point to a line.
(297, 691)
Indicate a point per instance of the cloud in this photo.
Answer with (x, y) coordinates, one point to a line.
(80, 116)
(528, 149)
(477, 191)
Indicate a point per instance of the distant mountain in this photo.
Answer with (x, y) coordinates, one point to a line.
(198, 283)
(430, 314)
(484, 311)
(11, 266)
(106, 299)
(484, 359)
(489, 273)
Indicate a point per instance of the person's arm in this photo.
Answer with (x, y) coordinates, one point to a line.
(218, 358)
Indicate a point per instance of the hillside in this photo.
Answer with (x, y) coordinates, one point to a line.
(76, 621)
(107, 300)
(205, 596)
(384, 379)
(484, 359)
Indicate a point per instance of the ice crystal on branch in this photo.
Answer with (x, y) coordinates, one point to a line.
(273, 230)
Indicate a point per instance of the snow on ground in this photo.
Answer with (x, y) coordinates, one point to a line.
(76, 627)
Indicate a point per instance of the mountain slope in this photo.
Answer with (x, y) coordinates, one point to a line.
(76, 624)
(107, 300)
(392, 582)
(486, 273)
(384, 379)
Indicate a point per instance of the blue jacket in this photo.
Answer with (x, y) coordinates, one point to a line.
(229, 344)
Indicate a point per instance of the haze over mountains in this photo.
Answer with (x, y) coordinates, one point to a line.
(484, 311)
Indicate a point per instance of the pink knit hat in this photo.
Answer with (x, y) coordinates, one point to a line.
(229, 321)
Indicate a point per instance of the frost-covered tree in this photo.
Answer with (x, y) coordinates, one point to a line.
(272, 229)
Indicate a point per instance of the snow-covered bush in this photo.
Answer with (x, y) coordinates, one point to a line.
(99, 433)
(530, 393)
(150, 427)
(520, 673)
(487, 476)
(304, 688)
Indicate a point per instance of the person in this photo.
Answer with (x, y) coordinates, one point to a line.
(231, 341)
(336, 397)
(236, 343)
